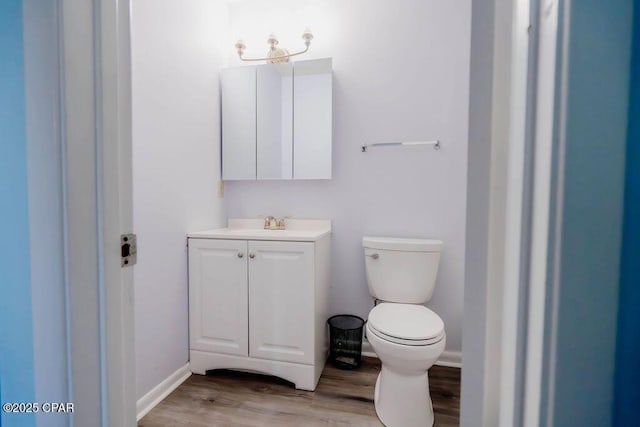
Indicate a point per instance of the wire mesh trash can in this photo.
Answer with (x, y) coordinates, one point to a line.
(345, 340)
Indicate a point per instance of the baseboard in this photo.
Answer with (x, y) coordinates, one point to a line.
(367, 350)
(451, 359)
(147, 402)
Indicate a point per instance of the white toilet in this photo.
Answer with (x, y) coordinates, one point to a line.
(407, 337)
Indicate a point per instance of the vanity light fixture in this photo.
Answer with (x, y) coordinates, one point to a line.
(276, 54)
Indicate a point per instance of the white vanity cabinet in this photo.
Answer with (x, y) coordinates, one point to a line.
(259, 304)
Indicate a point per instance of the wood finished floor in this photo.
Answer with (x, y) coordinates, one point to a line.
(342, 398)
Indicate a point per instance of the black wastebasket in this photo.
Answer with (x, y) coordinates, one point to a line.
(345, 337)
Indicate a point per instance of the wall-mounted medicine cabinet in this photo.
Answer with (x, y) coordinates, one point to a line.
(277, 121)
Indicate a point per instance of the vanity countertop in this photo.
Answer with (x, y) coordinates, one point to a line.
(299, 230)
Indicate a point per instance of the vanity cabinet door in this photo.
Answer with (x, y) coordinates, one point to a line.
(239, 123)
(218, 296)
(281, 301)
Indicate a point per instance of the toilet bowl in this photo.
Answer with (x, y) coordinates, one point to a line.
(407, 337)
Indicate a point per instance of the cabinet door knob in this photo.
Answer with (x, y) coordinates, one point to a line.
(252, 256)
(240, 254)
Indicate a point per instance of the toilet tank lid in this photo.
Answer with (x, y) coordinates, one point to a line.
(402, 244)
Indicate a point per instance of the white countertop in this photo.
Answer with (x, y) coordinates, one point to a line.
(299, 230)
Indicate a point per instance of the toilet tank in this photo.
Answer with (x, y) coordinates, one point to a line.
(401, 270)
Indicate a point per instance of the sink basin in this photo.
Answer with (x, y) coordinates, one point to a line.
(305, 230)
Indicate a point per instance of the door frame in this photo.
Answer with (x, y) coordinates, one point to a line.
(546, 123)
(117, 196)
(96, 104)
(512, 107)
(498, 174)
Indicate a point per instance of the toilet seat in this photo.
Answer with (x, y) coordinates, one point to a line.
(407, 324)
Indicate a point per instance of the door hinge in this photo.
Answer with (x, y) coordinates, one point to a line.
(128, 249)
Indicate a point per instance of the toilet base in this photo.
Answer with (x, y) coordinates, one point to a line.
(403, 400)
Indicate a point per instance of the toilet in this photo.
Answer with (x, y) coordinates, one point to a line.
(407, 337)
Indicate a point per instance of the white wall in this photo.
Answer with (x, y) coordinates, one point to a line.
(401, 72)
(176, 165)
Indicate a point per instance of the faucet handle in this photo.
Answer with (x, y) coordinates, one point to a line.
(282, 222)
(270, 222)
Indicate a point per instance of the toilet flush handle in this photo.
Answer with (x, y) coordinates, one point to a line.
(373, 256)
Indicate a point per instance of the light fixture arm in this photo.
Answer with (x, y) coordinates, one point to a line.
(276, 54)
(289, 55)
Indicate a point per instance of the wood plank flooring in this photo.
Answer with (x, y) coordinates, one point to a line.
(342, 398)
